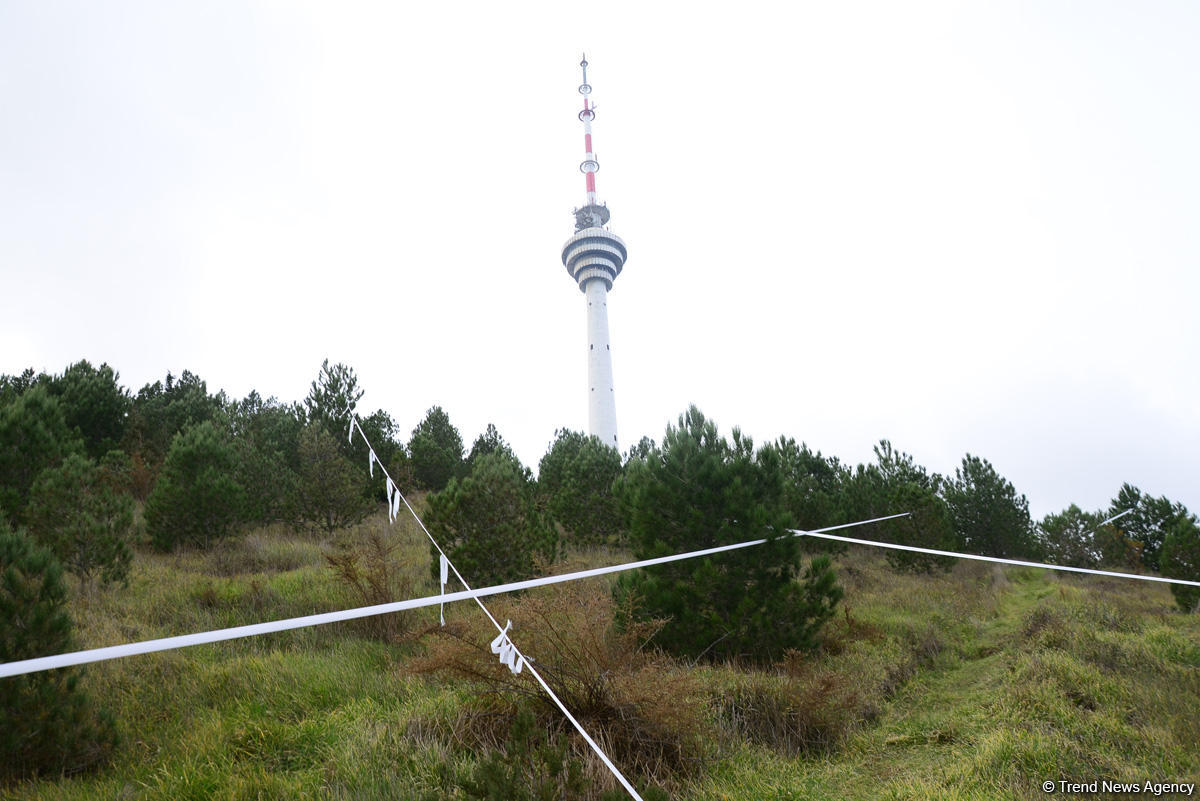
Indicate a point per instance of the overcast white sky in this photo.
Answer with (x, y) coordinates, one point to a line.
(963, 227)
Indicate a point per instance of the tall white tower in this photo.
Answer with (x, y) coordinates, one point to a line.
(594, 257)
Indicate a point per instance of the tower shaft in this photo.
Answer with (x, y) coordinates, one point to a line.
(602, 402)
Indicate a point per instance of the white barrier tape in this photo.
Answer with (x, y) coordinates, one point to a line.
(993, 558)
(219, 635)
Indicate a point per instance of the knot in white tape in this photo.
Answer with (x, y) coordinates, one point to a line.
(507, 651)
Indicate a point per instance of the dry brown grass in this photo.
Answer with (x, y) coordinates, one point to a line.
(647, 713)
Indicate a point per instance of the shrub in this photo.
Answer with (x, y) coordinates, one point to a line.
(789, 714)
(75, 511)
(197, 499)
(489, 525)
(373, 571)
(530, 766)
(701, 491)
(47, 723)
(645, 712)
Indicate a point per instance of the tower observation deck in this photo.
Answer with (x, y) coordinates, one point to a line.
(594, 257)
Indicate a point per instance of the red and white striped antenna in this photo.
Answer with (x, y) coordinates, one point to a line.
(594, 214)
(589, 166)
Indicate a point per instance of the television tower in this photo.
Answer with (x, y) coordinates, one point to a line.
(594, 257)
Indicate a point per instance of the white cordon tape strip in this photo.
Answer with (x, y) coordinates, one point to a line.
(270, 627)
(990, 558)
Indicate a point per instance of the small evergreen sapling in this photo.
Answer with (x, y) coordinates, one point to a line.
(47, 723)
(197, 498)
(489, 523)
(79, 512)
(436, 450)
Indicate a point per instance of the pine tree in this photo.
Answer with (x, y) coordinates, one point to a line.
(47, 722)
(699, 491)
(489, 523)
(33, 436)
(435, 450)
(576, 477)
(197, 498)
(87, 523)
(1069, 538)
(332, 397)
(1181, 560)
(95, 403)
(329, 489)
(1147, 522)
(990, 518)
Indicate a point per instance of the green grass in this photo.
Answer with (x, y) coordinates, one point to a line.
(977, 684)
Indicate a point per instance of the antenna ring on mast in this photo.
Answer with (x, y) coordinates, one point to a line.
(585, 89)
(587, 115)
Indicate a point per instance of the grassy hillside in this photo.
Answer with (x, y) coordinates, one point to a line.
(981, 683)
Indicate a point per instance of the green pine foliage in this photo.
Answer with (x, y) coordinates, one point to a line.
(197, 498)
(1147, 523)
(330, 490)
(1070, 538)
(14, 386)
(1181, 560)
(489, 524)
(33, 436)
(267, 438)
(576, 478)
(332, 397)
(700, 491)
(894, 484)
(989, 517)
(489, 441)
(94, 402)
(47, 723)
(531, 766)
(383, 433)
(163, 409)
(436, 450)
(814, 488)
(79, 511)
